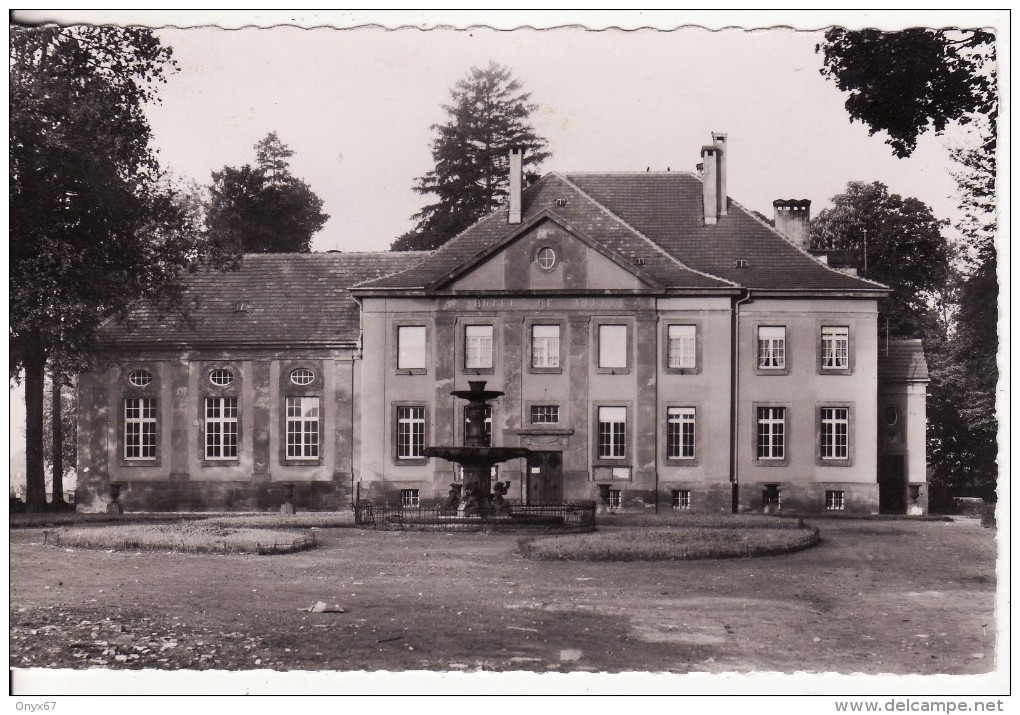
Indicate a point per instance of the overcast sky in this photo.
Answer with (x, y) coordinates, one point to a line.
(356, 105)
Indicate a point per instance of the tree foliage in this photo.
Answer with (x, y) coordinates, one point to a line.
(901, 243)
(908, 82)
(263, 208)
(488, 116)
(94, 225)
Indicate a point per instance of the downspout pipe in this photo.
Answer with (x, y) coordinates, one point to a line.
(735, 401)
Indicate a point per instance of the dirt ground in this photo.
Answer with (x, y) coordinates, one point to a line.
(874, 597)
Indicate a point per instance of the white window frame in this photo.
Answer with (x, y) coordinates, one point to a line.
(610, 341)
(612, 432)
(771, 347)
(545, 411)
(546, 258)
(835, 500)
(835, 347)
(768, 419)
(830, 445)
(141, 429)
(545, 349)
(410, 498)
(302, 425)
(221, 377)
(682, 347)
(410, 432)
(478, 347)
(220, 426)
(681, 421)
(681, 499)
(412, 347)
(140, 378)
(301, 376)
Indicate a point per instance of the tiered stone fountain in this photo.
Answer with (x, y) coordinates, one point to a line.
(477, 458)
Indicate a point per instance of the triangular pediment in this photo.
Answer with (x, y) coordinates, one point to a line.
(547, 253)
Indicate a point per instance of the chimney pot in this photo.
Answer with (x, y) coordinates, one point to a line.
(719, 139)
(793, 220)
(516, 184)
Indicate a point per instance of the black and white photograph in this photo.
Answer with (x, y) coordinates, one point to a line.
(510, 353)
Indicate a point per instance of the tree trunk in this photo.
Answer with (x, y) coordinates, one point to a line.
(35, 474)
(58, 446)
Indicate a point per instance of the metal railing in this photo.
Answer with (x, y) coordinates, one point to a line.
(567, 515)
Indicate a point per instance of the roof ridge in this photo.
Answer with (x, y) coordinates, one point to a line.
(779, 233)
(679, 172)
(637, 233)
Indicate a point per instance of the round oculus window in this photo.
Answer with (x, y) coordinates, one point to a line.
(140, 378)
(546, 258)
(892, 415)
(302, 376)
(221, 378)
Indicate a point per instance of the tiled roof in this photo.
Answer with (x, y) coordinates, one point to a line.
(282, 298)
(667, 208)
(903, 362)
(558, 198)
(656, 217)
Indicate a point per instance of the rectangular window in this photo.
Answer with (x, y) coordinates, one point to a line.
(140, 428)
(835, 347)
(409, 498)
(681, 498)
(771, 433)
(833, 500)
(682, 351)
(221, 428)
(411, 347)
(410, 432)
(614, 498)
(680, 433)
(835, 433)
(302, 427)
(478, 347)
(612, 433)
(545, 346)
(772, 497)
(487, 424)
(613, 346)
(545, 414)
(771, 347)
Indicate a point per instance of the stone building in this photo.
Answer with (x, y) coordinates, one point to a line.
(658, 346)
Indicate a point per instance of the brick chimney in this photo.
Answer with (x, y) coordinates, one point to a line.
(793, 220)
(719, 139)
(516, 184)
(710, 182)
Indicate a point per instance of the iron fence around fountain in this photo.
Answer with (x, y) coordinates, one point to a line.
(560, 517)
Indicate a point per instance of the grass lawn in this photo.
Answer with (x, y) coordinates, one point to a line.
(873, 597)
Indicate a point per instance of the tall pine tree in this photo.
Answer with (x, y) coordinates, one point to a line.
(489, 114)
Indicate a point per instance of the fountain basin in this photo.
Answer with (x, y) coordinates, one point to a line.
(477, 455)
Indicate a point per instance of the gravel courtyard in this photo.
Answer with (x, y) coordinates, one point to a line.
(874, 597)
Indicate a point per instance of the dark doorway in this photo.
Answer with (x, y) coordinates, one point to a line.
(545, 477)
(892, 485)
